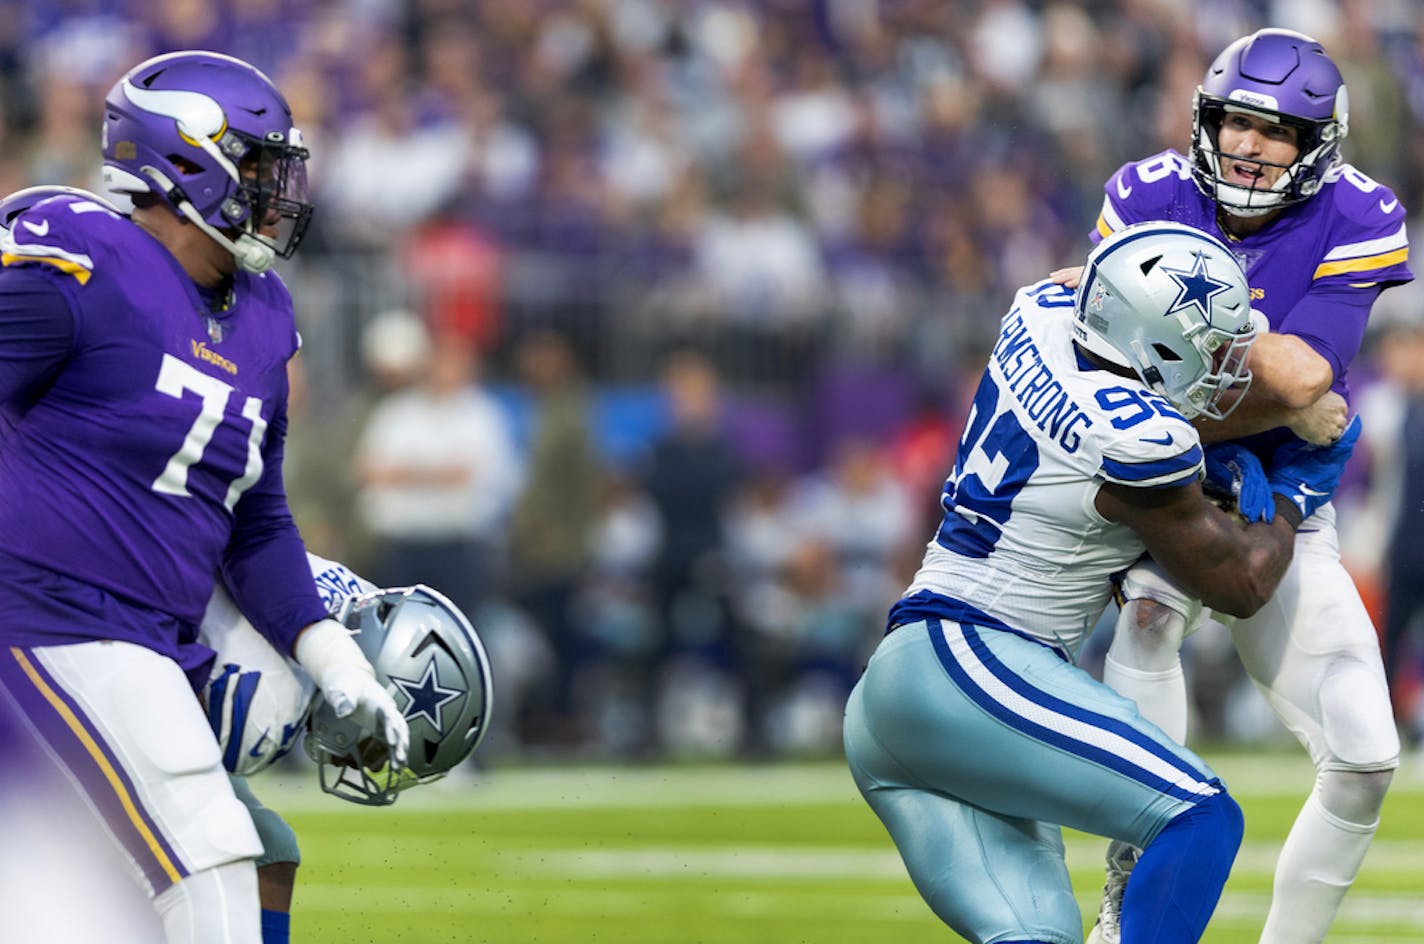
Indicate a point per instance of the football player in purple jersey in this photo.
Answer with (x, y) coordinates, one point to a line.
(1319, 241)
(144, 386)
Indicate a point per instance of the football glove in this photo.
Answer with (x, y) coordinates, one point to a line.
(1234, 471)
(1308, 475)
(348, 682)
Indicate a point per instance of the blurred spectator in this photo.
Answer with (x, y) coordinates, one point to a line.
(1384, 540)
(691, 474)
(864, 516)
(551, 530)
(394, 350)
(761, 273)
(392, 167)
(762, 539)
(619, 620)
(455, 275)
(438, 473)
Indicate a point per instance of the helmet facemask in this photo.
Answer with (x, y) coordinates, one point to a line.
(1318, 152)
(1216, 393)
(272, 193)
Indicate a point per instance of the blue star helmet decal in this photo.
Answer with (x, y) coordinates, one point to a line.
(1195, 287)
(426, 697)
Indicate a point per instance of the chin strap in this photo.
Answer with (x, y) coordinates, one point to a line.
(251, 253)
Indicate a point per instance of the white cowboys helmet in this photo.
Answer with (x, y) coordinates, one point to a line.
(429, 657)
(1171, 304)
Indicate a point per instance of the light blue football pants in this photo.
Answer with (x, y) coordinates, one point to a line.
(974, 746)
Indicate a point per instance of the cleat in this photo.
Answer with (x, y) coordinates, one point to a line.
(1120, 861)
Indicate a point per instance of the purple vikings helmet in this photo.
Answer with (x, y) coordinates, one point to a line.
(214, 137)
(429, 657)
(21, 200)
(1284, 77)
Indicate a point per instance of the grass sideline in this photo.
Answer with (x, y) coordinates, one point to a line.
(724, 854)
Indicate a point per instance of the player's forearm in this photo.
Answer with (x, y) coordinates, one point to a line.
(1253, 560)
(1254, 415)
(1320, 424)
(1288, 372)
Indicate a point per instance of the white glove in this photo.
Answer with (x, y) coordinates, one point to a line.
(347, 681)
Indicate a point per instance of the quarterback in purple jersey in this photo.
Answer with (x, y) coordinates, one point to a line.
(1319, 241)
(143, 382)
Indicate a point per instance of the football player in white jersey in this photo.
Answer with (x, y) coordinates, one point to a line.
(1319, 241)
(971, 734)
(425, 653)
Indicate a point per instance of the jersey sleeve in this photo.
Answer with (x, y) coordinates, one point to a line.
(1331, 319)
(58, 234)
(265, 563)
(1163, 452)
(1140, 191)
(1366, 244)
(336, 582)
(37, 324)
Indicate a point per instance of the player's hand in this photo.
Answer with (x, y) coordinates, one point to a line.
(348, 682)
(1324, 421)
(1308, 475)
(1234, 471)
(356, 694)
(1068, 277)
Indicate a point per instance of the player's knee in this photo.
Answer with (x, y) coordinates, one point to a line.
(1148, 635)
(215, 904)
(1225, 819)
(1354, 796)
(1214, 828)
(279, 840)
(228, 829)
(1357, 718)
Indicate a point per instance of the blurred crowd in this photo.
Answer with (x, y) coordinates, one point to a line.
(643, 328)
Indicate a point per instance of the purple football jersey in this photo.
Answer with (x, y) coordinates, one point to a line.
(145, 458)
(1348, 237)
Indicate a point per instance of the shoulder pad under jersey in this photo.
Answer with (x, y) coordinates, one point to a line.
(1159, 450)
(1153, 188)
(1365, 239)
(67, 233)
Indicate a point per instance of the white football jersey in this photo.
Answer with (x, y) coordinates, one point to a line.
(258, 698)
(1021, 541)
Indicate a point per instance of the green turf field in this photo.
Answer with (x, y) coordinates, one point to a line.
(742, 855)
